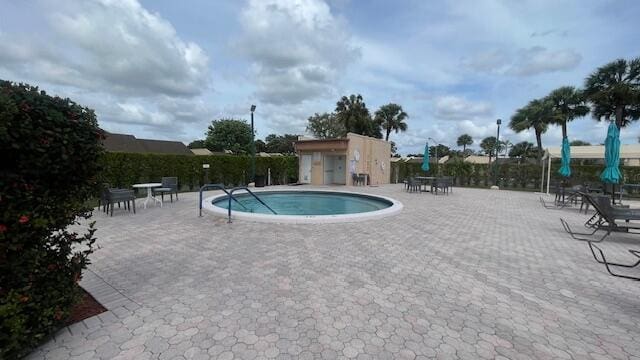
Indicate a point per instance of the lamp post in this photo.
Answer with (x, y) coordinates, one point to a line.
(253, 147)
(495, 174)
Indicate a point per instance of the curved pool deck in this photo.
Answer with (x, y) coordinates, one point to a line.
(394, 208)
(478, 274)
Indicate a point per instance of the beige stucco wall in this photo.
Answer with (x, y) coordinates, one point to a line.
(375, 158)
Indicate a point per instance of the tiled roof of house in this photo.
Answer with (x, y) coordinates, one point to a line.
(130, 144)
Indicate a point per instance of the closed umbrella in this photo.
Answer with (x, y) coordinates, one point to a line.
(611, 173)
(565, 167)
(425, 158)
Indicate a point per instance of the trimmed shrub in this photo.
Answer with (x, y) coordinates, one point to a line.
(51, 148)
(126, 169)
(510, 176)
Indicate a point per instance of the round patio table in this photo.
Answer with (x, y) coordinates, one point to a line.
(149, 186)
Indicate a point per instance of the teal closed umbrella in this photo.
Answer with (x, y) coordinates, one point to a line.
(565, 167)
(611, 173)
(425, 159)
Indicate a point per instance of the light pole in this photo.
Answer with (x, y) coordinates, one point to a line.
(253, 147)
(495, 174)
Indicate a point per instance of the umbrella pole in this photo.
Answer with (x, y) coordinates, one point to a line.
(542, 179)
(548, 175)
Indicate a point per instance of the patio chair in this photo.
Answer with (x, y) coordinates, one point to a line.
(608, 264)
(169, 185)
(104, 200)
(441, 184)
(414, 185)
(606, 219)
(608, 215)
(111, 196)
(566, 197)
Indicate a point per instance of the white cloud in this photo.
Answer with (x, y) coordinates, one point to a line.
(115, 56)
(297, 49)
(524, 62)
(122, 45)
(458, 108)
(538, 60)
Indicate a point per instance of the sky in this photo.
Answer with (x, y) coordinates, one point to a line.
(163, 69)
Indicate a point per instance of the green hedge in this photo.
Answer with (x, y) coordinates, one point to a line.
(513, 176)
(124, 169)
(50, 148)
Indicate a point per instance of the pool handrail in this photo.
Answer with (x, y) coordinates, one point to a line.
(219, 187)
(252, 194)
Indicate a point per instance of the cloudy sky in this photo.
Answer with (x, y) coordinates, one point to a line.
(164, 69)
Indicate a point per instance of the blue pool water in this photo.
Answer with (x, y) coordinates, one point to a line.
(305, 203)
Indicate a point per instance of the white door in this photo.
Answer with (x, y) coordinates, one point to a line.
(328, 170)
(305, 169)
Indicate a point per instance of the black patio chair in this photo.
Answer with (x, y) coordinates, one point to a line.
(169, 185)
(566, 197)
(609, 264)
(111, 196)
(606, 219)
(440, 184)
(414, 185)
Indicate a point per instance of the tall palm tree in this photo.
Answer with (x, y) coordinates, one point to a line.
(614, 90)
(536, 115)
(464, 140)
(488, 145)
(353, 113)
(391, 117)
(567, 103)
(522, 150)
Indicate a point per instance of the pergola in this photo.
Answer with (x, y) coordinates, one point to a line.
(631, 151)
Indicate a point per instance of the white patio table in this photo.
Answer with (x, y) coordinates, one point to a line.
(149, 186)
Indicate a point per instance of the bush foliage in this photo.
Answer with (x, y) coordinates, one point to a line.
(125, 169)
(50, 148)
(510, 176)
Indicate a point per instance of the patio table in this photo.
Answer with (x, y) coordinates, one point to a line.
(423, 181)
(149, 186)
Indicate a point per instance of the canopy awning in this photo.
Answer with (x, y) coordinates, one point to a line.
(629, 151)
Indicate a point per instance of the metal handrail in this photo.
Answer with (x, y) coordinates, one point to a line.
(252, 194)
(219, 187)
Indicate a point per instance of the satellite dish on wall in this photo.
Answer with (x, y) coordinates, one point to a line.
(356, 155)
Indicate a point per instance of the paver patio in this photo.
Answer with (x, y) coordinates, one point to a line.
(476, 274)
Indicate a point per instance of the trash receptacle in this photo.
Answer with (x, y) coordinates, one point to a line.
(259, 181)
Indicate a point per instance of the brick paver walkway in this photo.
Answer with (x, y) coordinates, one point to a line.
(476, 274)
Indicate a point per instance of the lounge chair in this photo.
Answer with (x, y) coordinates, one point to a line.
(606, 219)
(169, 185)
(608, 222)
(608, 264)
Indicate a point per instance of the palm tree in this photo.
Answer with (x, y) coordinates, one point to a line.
(614, 90)
(567, 103)
(353, 113)
(391, 117)
(488, 145)
(522, 150)
(536, 115)
(464, 140)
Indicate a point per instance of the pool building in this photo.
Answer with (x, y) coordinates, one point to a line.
(335, 161)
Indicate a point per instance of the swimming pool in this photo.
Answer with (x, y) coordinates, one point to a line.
(304, 206)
